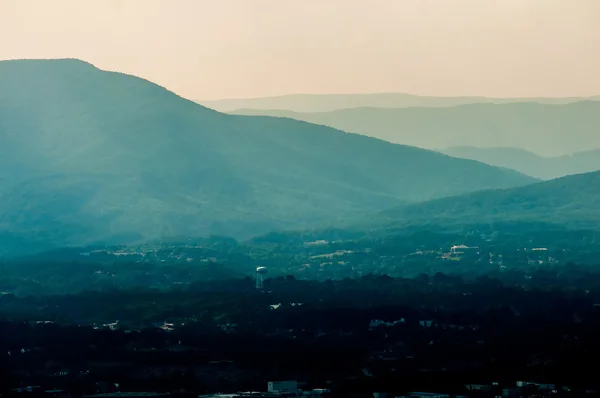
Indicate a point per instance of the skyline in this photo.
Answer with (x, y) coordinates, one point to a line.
(242, 49)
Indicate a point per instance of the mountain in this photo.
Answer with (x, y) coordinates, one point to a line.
(89, 156)
(529, 163)
(570, 201)
(550, 130)
(332, 102)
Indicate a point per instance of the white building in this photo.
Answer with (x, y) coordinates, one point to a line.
(541, 386)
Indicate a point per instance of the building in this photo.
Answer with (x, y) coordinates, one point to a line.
(431, 395)
(479, 387)
(541, 386)
(129, 395)
(282, 387)
(462, 248)
(380, 395)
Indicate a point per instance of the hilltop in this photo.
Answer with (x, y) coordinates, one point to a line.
(89, 156)
(529, 163)
(570, 201)
(549, 130)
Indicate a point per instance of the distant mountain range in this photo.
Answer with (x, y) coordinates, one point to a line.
(88, 156)
(549, 130)
(529, 163)
(332, 102)
(569, 201)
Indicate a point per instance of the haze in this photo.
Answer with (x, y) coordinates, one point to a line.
(249, 48)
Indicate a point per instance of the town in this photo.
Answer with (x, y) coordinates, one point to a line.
(422, 315)
(321, 256)
(513, 335)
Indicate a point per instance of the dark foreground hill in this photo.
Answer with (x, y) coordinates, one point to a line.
(571, 201)
(89, 156)
(529, 163)
(549, 130)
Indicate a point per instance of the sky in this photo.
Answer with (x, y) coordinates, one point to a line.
(213, 49)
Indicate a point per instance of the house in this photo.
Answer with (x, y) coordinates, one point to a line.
(128, 395)
(462, 248)
(375, 323)
(111, 326)
(316, 243)
(167, 327)
(426, 323)
(27, 389)
(479, 387)
(541, 386)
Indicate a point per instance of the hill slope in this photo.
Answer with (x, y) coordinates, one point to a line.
(550, 130)
(332, 102)
(92, 156)
(569, 201)
(529, 163)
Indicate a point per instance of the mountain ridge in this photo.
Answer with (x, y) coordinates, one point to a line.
(530, 163)
(568, 201)
(89, 156)
(332, 102)
(539, 128)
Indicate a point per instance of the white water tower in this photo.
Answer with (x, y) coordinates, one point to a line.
(260, 275)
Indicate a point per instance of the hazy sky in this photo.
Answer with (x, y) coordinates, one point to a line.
(209, 49)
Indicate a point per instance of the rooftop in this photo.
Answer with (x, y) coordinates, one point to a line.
(127, 394)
